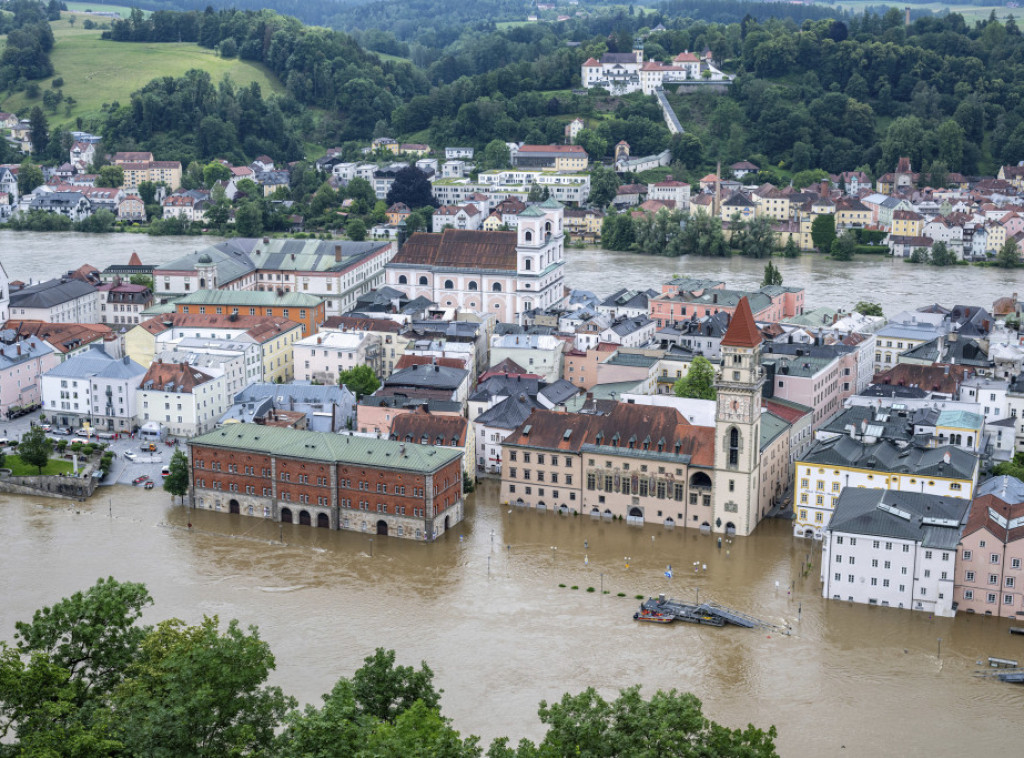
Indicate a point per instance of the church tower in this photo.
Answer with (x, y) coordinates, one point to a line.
(738, 427)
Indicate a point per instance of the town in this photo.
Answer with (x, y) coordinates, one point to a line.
(367, 385)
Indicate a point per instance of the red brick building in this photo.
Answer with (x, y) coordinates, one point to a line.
(327, 480)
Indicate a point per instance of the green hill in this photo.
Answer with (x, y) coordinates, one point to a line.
(97, 71)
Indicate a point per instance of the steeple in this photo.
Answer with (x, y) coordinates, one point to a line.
(742, 331)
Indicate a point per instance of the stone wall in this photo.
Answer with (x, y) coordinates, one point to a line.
(63, 487)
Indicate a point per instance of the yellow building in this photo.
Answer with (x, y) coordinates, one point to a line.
(831, 465)
(907, 224)
(276, 351)
(851, 213)
(158, 172)
(995, 238)
(583, 225)
(493, 223)
(772, 203)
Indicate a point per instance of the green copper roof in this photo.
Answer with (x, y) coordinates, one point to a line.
(532, 212)
(330, 448)
(551, 204)
(251, 298)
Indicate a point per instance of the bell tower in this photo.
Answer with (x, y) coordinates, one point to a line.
(737, 426)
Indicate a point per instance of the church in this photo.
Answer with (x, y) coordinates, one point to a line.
(647, 464)
(502, 273)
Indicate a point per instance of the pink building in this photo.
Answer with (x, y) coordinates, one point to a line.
(22, 362)
(989, 577)
(818, 383)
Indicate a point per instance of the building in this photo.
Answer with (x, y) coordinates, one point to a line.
(184, 400)
(307, 310)
(895, 549)
(539, 354)
(503, 274)
(93, 388)
(618, 73)
(438, 429)
(158, 172)
(989, 570)
(376, 486)
(123, 303)
(60, 301)
(322, 357)
(834, 465)
(22, 362)
(494, 425)
(326, 408)
(557, 157)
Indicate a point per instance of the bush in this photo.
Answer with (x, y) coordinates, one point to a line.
(590, 589)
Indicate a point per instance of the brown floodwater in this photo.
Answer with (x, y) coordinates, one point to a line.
(484, 608)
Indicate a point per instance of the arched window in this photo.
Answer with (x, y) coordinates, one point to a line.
(449, 284)
(528, 236)
(527, 264)
(496, 287)
(734, 447)
(472, 286)
(547, 227)
(403, 279)
(423, 281)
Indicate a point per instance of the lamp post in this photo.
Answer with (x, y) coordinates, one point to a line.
(371, 547)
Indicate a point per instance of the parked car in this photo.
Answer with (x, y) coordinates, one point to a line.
(79, 439)
(46, 427)
(61, 430)
(149, 485)
(140, 480)
(4, 442)
(130, 455)
(165, 471)
(106, 435)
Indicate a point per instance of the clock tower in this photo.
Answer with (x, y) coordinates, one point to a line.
(738, 427)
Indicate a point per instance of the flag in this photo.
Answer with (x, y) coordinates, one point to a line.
(668, 571)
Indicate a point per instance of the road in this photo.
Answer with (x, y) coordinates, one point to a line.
(123, 471)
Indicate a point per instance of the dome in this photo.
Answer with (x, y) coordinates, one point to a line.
(205, 258)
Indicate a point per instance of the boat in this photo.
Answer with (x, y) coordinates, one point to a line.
(140, 480)
(653, 617)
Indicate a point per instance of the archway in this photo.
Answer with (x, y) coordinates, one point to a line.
(323, 521)
(382, 527)
(233, 507)
(809, 533)
(304, 519)
(607, 514)
(541, 505)
(730, 528)
(286, 515)
(635, 516)
(595, 512)
(670, 522)
(700, 479)
(447, 522)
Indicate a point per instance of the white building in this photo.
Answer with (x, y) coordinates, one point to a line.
(222, 359)
(93, 388)
(503, 274)
(494, 425)
(181, 398)
(321, 357)
(467, 216)
(539, 354)
(5, 295)
(58, 301)
(895, 549)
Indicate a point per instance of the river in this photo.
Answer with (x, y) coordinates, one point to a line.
(484, 608)
(487, 612)
(891, 282)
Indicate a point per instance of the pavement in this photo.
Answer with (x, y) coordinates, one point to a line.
(123, 470)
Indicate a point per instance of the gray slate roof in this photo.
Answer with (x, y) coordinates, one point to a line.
(95, 362)
(509, 413)
(886, 457)
(300, 392)
(428, 377)
(935, 521)
(1009, 489)
(51, 293)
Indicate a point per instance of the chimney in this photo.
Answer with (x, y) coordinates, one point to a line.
(337, 253)
(906, 19)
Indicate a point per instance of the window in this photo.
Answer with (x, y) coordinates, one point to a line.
(993, 579)
(839, 540)
(885, 582)
(927, 555)
(874, 563)
(969, 576)
(887, 565)
(849, 578)
(1009, 583)
(994, 559)
(968, 594)
(990, 597)
(423, 281)
(967, 555)
(449, 284)
(1015, 563)
(906, 548)
(875, 544)
(496, 287)
(874, 582)
(734, 447)
(888, 546)
(1007, 599)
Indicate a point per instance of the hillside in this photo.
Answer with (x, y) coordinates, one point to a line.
(97, 71)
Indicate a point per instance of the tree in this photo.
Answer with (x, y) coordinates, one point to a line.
(699, 381)
(495, 155)
(216, 678)
(411, 187)
(249, 219)
(790, 249)
(669, 724)
(40, 131)
(176, 482)
(214, 172)
(604, 185)
(942, 255)
(35, 448)
(823, 232)
(147, 191)
(772, 275)
(617, 231)
(356, 230)
(537, 193)
(844, 247)
(1008, 255)
(593, 143)
(361, 380)
(867, 308)
(142, 279)
(110, 176)
(30, 176)
(384, 691)
(757, 238)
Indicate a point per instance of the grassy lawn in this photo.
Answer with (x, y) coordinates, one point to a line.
(97, 71)
(393, 58)
(19, 468)
(970, 13)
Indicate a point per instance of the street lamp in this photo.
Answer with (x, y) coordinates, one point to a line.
(371, 547)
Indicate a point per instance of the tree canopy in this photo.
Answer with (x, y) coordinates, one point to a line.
(699, 381)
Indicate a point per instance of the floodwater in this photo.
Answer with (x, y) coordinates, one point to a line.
(891, 282)
(484, 608)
